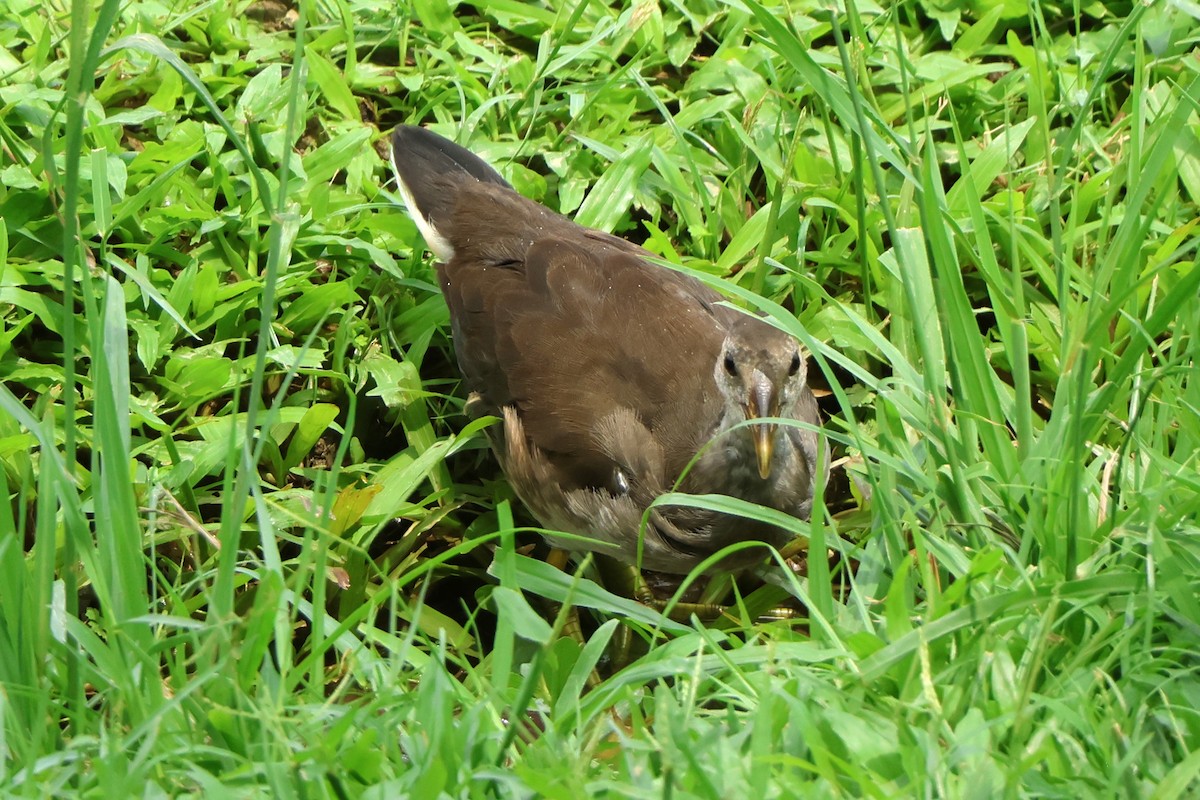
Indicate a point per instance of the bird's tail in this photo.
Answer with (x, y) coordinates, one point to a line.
(430, 170)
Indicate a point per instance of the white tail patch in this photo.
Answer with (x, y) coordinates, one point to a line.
(436, 242)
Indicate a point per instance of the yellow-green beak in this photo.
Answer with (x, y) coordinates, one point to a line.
(764, 446)
(762, 404)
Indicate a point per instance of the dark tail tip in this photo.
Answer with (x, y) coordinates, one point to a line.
(429, 169)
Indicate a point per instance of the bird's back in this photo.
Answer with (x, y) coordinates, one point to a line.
(568, 324)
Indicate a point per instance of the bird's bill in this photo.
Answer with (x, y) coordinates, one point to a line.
(764, 448)
(762, 404)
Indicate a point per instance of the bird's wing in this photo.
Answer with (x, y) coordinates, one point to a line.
(568, 327)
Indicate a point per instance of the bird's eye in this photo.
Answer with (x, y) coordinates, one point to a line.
(794, 367)
(730, 366)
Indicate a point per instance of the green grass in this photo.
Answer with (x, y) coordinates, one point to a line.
(252, 546)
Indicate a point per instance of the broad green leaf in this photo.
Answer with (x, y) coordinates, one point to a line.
(313, 424)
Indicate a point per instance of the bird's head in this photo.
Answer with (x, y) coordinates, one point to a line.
(760, 372)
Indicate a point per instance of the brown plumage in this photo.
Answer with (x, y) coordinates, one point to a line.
(609, 373)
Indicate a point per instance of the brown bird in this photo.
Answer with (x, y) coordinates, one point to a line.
(616, 379)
